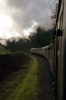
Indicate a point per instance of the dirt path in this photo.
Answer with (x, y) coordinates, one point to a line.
(45, 80)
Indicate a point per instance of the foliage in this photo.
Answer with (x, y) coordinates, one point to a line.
(10, 63)
(18, 46)
(3, 50)
(39, 38)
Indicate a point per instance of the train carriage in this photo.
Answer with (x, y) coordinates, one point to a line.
(55, 52)
(61, 48)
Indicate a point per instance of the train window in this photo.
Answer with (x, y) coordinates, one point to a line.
(60, 17)
(61, 21)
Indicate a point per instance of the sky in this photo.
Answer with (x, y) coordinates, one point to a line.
(19, 17)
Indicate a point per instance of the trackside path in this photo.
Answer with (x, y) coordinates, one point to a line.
(45, 80)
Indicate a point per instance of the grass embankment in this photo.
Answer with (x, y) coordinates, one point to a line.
(24, 86)
(11, 63)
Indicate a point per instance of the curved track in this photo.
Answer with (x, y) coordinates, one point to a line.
(46, 80)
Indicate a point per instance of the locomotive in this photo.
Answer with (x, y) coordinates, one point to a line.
(55, 52)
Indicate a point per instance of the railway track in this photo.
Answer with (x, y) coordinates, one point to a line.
(46, 80)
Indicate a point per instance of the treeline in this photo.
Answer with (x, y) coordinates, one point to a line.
(39, 38)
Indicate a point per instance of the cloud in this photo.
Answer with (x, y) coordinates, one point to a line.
(22, 15)
(26, 32)
(27, 11)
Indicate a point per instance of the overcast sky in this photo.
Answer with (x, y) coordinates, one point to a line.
(18, 17)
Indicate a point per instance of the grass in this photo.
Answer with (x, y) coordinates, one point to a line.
(4, 51)
(25, 86)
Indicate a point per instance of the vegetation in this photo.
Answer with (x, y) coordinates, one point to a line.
(22, 84)
(39, 38)
(4, 51)
(10, 63)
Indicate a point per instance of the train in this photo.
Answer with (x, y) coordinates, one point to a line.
(55, 52)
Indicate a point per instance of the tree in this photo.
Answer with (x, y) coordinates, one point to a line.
(41, 37)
